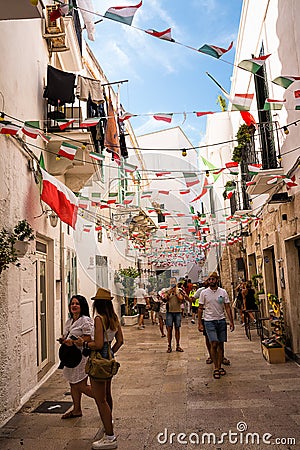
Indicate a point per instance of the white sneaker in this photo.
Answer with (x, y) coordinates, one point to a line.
(105, 443)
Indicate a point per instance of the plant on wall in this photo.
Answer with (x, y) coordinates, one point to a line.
(9, 254)
(243, 138)
(277, 318)
(127, 278)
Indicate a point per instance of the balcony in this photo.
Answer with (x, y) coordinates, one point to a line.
(260, 179)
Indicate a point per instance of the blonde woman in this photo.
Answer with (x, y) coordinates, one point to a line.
(104, 316)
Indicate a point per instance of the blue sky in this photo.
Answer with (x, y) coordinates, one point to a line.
(165, 77)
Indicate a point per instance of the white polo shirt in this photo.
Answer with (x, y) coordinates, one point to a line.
(140, 295)
(214, 302)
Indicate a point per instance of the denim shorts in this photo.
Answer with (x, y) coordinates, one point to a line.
(104, 351)
(173, 318)
(216, 330)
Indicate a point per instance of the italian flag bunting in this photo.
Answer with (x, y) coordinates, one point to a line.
(8, 128)
(112, 198)
(31, 129)
(254, 168)
(129, 196)
(233, 167)
(90, 122)
(67, 150)
(64, 123)
(97, 156)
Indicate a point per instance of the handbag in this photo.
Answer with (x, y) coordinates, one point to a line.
(70, 356)
(101, 368)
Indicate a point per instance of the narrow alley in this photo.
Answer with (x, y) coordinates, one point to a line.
(171, 401)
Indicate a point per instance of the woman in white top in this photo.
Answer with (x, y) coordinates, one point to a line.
(103, 310)
(78, 325)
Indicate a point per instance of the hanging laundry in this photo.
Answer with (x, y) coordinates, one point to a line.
(60, 87)
(88, 87)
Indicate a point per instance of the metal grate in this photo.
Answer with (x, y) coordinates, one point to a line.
(49, 407)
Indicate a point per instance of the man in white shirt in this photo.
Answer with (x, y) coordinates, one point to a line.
(214, 300)
(141, 302)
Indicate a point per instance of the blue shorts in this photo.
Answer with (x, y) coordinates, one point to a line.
(216, 330)
(173, 318)
(104, 351)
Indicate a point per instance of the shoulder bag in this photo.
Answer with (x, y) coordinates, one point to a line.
(100, 368)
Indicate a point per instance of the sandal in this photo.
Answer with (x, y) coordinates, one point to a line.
(222, 371)
(216, 374)
(71, 415)
(226, 362)
(179, 349)
(163, 335)
(209, 361)
(169, 350)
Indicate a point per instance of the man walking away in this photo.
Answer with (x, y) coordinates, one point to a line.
(214, 300)
(175, 296)
(141, 301)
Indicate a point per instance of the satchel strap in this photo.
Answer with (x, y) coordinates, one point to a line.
(106, 335)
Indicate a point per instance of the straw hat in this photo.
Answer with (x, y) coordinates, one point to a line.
(103, 294)
(213, 275)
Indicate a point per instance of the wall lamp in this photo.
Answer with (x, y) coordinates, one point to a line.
(53, 219)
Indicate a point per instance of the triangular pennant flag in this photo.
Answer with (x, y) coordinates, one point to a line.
(191, 179)
(44, 137)
(59, 198)
(67, 150)
(97, 156)
(203, 192)
(126, 116)
(123, 14)
(250, 183)
(129, 196)
(130, 168)
(212, 50)
(8, 128)
(218, 84)
(233, 167)
(241, 102)
(146, 194)
(163, 117)
(253, 64)
(290, 182)
(212, 168)
(112, 198)
(31, 129)
(64, 123)
(184, 191)
(164, 192)
(161, 174)
(271, 104)
(42, 161)
(203, 113)
(166, 34)
(254, 168)
(90, 122)
(285, 81)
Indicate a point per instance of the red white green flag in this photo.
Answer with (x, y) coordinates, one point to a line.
(161, 174)
(166, 34)
(8, 128)
(241, 102)
(163, 117)
(203, 192)
(254, 168)
(191, 179)
(184, 191)
(92, 122)
(285, 81)
(112, 198)
(126, 116)
(215, 52)
(59, 198)
(253, 64)
(129, 196)
(130, 168)
(164, 192)
(31, 129)
(67, 150)
(146, 194)
(97, 156)
(248, 118)
(123, 14)
(272, 104)
(203, 113)
(233, 167)
(64, 123)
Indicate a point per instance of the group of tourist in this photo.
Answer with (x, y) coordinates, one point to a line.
(208, 303)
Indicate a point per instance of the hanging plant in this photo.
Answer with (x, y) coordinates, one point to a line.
(243, 137)
(10, 241)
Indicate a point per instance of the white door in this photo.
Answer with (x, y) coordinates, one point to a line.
(42, 306)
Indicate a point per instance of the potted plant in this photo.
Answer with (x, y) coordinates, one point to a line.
(14, 244)
(127, 278)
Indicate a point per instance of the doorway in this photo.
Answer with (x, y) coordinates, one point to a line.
(42, 306)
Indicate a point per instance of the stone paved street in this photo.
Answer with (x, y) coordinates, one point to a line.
(156, 392)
